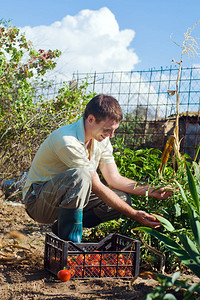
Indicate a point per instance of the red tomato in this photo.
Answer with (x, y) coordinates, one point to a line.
(64, 275)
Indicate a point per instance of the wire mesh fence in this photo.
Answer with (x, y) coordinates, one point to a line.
(148, 89)
(149, 110)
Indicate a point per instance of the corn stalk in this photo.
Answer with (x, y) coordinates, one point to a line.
(189, 47)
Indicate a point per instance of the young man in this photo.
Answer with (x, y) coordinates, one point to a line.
(63, 185)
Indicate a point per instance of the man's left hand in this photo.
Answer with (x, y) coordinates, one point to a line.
(161, 193)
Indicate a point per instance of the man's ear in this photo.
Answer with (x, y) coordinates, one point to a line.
(91, 119)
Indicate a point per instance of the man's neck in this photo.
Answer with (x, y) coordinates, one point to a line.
(88, 143)
(88, 137)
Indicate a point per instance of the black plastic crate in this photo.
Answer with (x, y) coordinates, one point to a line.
(114, 256)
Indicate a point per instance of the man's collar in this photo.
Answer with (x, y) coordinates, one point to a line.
(81, 130)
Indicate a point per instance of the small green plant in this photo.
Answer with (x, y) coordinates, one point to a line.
(188, 247)
(170, 287)
(140, 165)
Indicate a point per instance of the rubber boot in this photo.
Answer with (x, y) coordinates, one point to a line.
(90, 219)
(70, 224)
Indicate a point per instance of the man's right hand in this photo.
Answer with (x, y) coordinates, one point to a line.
(146, 219)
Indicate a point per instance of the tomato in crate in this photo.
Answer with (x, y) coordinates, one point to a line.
(114, 256)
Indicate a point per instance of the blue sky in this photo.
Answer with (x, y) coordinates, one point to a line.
(144, 29)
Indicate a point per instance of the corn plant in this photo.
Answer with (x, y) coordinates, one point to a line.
(189, 47)
(188, 248)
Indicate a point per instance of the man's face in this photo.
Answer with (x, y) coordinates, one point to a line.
(103, 129)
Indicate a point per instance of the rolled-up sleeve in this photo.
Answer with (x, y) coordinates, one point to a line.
(106, 153)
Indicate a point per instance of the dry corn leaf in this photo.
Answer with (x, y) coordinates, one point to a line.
(168, 148)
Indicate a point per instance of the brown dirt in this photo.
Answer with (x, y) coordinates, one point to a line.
(28, 279)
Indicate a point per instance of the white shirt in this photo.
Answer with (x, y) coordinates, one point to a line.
(65, 149)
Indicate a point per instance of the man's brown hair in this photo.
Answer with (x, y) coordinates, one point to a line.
(103, 106)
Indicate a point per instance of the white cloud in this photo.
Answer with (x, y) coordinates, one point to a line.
(90, 41)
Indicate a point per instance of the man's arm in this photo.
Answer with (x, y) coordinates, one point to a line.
(115, 180)
(114, 201)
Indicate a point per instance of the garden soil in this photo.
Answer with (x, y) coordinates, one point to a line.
(22, 275)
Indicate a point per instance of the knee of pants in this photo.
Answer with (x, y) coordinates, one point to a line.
(78, 195)
(69, 189)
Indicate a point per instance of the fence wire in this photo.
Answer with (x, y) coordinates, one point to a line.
(148, 89)
(148, 108)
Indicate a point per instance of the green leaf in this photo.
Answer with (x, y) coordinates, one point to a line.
(197, 175)
(194, 223)
(182, 192)
(177, 210)
(192, 186)
(165, 223)
(175, 248)
(128, 151)
(178, 283)
(139, 152)
(196, 170)
(169, 297)
(175, 276)
(194, 287)
(190, 247)
(171, 244)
